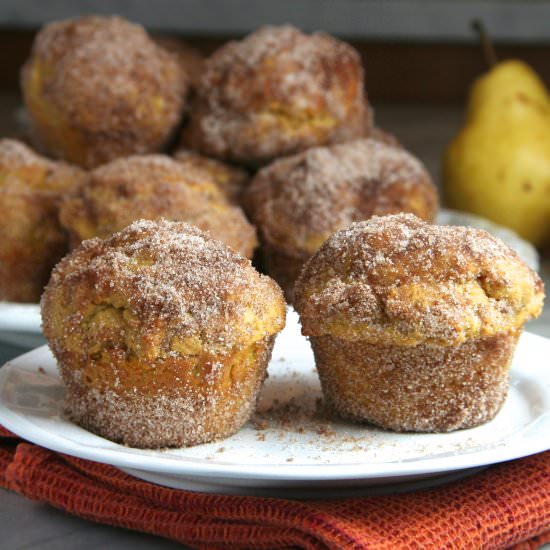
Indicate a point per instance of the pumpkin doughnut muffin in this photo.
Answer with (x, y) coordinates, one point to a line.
(413, 326)
(32, 239)
(162, 334)
(229, 179)
(98, 88)
(152, 187)
(276, 92)
(297, 202)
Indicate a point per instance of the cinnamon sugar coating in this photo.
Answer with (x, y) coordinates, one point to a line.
(97, 88)
(153, 187)
(398, 280)
(276, 92)
(297, 202)
(229, 179)
(32, 239)
(413, 326)
(423, 388)
(162, 334)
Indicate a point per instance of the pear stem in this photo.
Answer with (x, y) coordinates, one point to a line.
(486, 43)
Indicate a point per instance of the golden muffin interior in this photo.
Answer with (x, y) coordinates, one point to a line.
(97, 88)
(153, 187)
(162, 334)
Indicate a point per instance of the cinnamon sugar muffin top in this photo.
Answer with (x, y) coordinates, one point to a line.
(97, 88)
(396, 279)
(277, 92)
(164, 282)
(297, 202)
(153, 187)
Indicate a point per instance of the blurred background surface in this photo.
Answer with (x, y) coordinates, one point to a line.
(413, 50)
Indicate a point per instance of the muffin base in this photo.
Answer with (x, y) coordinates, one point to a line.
(179, 418)
(421, 388)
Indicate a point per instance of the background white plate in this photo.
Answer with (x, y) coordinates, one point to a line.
(291, 446)
(524, 248)
(20, 323)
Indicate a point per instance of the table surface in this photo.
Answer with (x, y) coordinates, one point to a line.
(424, 130)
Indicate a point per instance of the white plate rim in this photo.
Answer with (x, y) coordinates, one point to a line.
(117, 456)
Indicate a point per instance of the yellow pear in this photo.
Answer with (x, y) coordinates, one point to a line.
(498, 166)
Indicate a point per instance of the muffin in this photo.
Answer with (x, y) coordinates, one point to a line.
(152, 187)
(230, 180)
(277, 92)
(413, 325)
(98, 88)
(299, 201)
(32, 239)
(162, 334)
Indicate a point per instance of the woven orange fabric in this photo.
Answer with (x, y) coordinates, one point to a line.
(503, 506)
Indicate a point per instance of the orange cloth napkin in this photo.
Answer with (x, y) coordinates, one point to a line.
(506, 505)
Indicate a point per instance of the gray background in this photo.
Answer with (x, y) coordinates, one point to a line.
(512, 21)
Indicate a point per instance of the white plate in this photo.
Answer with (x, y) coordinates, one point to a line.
(20, 323)
(289, 446)
(19, 317)
(524, 248)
